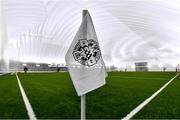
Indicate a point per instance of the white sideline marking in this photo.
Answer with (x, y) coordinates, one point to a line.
(29, 109)
(139, 77)
(138, 108)
(1, 74)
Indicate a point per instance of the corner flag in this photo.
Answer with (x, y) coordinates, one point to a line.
(84, 60)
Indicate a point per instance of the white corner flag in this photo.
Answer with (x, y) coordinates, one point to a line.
(84, 60)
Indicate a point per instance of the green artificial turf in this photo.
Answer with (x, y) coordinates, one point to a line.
(123, 92)
(165, 106)
(52, 95)
(11, 103)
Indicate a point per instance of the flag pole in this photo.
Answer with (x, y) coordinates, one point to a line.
(83, 97)
(4, 48)
(83, 107)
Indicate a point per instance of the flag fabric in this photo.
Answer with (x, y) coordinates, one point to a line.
(84, 59)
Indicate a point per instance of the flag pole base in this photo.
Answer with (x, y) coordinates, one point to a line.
(83, 107)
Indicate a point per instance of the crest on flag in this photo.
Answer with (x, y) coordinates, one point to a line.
(87, 52)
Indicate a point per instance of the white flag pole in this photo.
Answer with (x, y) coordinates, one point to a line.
(83, 97)
(83, 107)
(4, 45)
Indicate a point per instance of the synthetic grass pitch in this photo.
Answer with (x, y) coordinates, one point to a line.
(52, 95)
(165, 106)
(11, 103)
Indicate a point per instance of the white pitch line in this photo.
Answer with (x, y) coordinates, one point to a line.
(29, 109)
(1, 74)
(140, 77)
(143, 104)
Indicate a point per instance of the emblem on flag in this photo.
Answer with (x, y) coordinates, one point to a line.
(87, 52)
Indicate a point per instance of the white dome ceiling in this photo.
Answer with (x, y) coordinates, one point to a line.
(128, 30)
